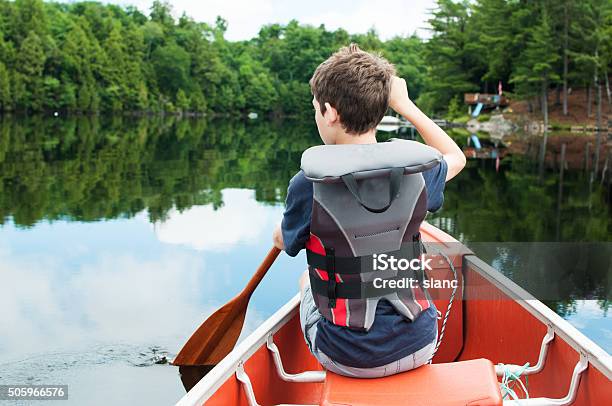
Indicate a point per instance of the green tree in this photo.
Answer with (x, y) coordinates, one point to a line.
(198, 103)
(172, 64)
(6, 101)
(450, 62)
(113, 73)
(536, 66)
(592, 53)
(161, 13)
(407, 56)
(28, 16)
(491, 35)
(30, 63)
(84, 98)
(182, 101)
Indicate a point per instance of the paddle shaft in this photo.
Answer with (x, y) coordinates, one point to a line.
(217, 335)
(260, 273)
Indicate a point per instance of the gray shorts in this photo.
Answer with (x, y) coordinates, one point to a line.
(309, 319)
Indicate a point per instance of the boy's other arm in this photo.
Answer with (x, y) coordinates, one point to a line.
(433, 135)
(294, 231)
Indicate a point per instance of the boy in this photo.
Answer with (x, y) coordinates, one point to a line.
(351, 93)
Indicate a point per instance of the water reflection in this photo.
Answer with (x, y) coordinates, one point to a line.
(89, 299)
(98, 291)
(515, 204)
(118, 237)
(88, 170)
(239, 220)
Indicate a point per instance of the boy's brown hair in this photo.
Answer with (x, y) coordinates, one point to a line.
(357, 84)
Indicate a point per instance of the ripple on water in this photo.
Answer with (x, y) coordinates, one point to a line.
(39, 368)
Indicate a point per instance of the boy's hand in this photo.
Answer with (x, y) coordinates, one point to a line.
(432, 134)
(277, 238)
(398, 97)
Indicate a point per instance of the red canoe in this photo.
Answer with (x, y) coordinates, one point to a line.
(273, 365)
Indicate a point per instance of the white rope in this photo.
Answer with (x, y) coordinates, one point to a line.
(450, 305)
(509, 378)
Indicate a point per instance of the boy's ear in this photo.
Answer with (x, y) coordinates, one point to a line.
(331, 114)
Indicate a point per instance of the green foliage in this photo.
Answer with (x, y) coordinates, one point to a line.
(483, 118)
(477, 44)
(490, 38)
(536, 64)
(6, 102)
(455, 109)
(171, 64)
(590, 33)
(182, 102)
(408, 56)
(450, 62)
(88, 57)
(198, 103)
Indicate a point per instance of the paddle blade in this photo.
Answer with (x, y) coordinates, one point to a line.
(192, 374)
(216, 337)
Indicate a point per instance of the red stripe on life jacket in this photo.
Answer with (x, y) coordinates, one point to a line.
(420, 298)
(339, 313)
(315, 245)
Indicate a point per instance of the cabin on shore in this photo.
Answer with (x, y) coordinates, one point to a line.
(483, 101)
(487, 99)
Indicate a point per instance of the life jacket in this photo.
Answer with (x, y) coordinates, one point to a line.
(368, 199)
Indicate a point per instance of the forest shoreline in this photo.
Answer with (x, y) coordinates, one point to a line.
(94, 57)
(517, 113)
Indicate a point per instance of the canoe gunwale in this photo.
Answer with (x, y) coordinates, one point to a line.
(596, 355)
(208, 385)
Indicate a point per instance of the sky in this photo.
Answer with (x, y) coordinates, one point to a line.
(245, 17)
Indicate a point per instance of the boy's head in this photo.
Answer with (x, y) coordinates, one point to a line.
(351, 92)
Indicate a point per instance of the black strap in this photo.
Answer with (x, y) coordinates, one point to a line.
(353, 265)
(356, 290)
(331, 274)
(343, 265)
(395, 183)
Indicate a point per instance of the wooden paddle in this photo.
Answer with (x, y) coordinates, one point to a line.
(217, 336)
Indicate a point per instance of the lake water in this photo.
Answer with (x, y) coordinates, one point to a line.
(118, 237)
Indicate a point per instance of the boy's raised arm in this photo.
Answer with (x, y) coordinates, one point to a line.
(433, 135)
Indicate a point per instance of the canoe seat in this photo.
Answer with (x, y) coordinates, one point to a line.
(462, 383)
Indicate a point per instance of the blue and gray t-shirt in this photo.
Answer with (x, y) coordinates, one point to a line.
(392, 336)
